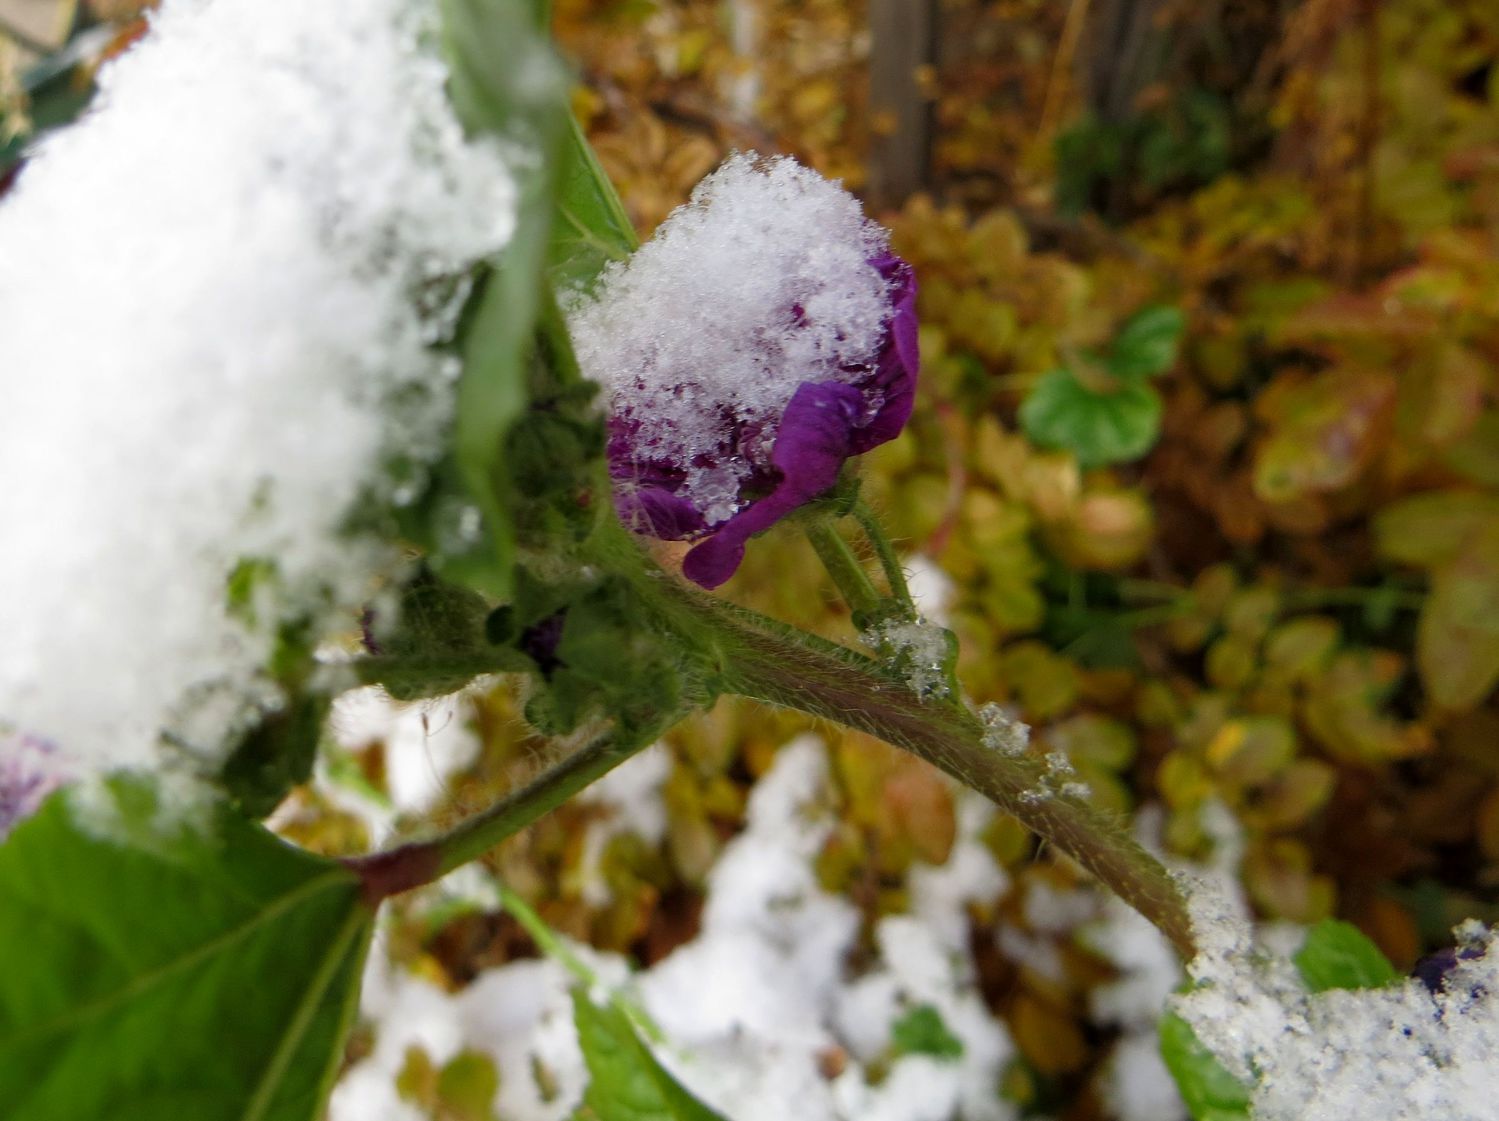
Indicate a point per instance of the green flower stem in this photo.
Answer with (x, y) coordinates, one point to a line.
(895, 575)
(823, 679)
(421, 862)
(847, 573)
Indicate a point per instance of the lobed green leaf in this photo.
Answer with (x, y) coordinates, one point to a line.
(1098, 427)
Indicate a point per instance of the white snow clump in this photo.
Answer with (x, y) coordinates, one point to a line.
(1399, 1053)
(218, 295)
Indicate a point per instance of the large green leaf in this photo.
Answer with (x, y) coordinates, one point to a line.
(506, 82)
(1337, 955)
(158, 968)
(626, 1083)
(1210, 1092)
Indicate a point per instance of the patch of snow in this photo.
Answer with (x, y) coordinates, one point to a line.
(219, 293)
(1399, 1053)
(931, 589)
(1003, 731)
(753, 1007)
(917, 648)
(426, 742)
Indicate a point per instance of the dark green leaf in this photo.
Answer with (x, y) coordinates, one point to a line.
(277, 754)
(506, 82)
(626, 1083)
(159, 968)
(921, 1032)
(1099, 427)
(1210, 1092)
(1337, 955)
(1147, 343)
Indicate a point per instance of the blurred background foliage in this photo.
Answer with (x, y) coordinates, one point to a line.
(1207, 448)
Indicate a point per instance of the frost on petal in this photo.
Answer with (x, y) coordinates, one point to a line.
(219, 294)
(765, 335)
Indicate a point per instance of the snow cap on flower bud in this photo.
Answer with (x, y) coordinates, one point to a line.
(762, 337)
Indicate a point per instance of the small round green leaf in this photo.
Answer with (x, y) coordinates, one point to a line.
(1099, 428)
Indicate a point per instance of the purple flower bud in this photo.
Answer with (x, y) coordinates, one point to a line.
(30, 769)
(766, 335)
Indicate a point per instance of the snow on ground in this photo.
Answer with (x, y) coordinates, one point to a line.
(213, 290)
(757, 1006)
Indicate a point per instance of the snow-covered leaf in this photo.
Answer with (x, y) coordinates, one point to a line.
(1209, 1090)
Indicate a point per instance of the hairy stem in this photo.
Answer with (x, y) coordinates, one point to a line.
(847, 573)
(837, 684)
(895, 575)
(421, 862)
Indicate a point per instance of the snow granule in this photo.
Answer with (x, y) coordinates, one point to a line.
(761, 282)
(918, 649)
(218, 295)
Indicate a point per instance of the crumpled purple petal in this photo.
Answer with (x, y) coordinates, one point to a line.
(825, 423)
(815, 437)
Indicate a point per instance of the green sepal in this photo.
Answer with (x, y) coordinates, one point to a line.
(438, 642)
(276, 755)
(609, 664)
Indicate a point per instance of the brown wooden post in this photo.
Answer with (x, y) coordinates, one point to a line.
(902, 40)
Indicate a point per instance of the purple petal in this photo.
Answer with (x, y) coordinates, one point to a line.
(899, 362)
(814, 439)
(655, 510)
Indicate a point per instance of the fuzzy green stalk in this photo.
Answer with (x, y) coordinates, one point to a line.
(418, 863)
(823, 679)
(844, 569)
(895, 575)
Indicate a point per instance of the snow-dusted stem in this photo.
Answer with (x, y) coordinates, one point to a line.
(763, 662)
